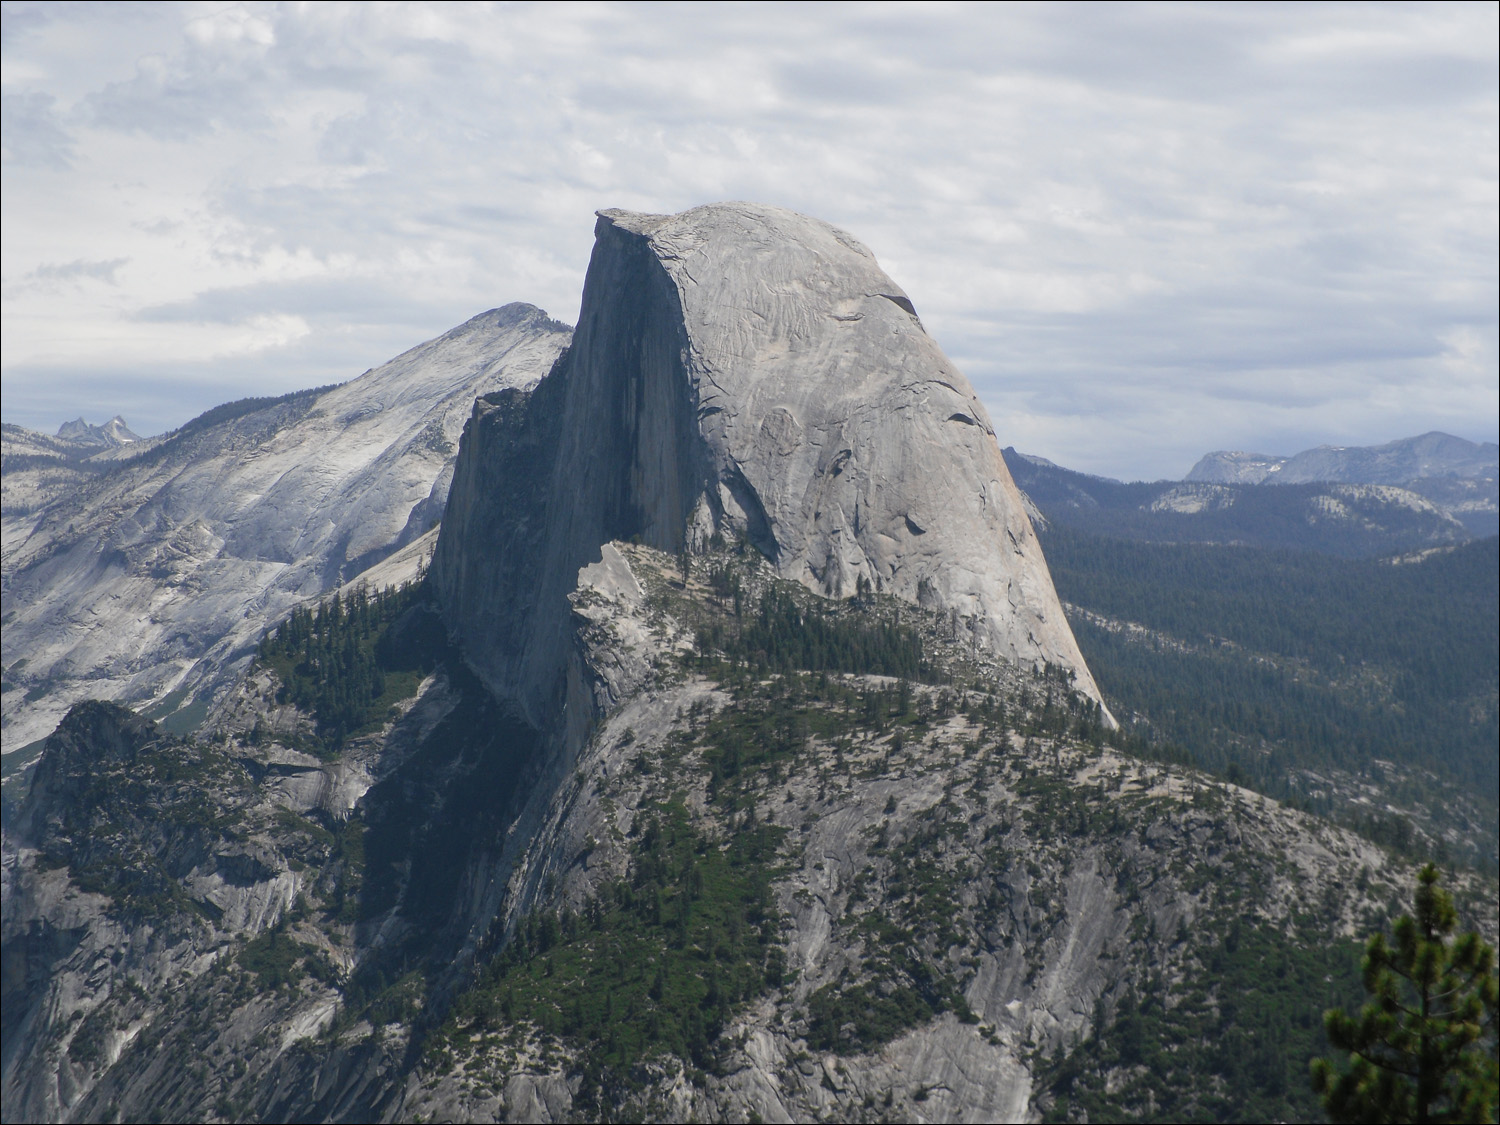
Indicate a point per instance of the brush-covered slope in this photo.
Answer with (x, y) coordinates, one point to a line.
(1363, 689)
(152, 577)
(746, 372)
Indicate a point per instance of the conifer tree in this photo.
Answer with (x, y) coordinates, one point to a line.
(1424, 1048)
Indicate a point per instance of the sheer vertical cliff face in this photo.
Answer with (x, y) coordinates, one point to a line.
(606, 447)
(743, 370)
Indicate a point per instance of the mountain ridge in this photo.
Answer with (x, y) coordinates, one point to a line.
(963, 882)
(669, 789)
(1429, 455)
(194, 546)
(1347, 519)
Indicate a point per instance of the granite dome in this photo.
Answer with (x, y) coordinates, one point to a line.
(746, 370)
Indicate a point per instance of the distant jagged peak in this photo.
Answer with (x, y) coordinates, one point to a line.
(1430, 455)
(74, 430)
(117, 429)
(1234, 466)
(113, 433)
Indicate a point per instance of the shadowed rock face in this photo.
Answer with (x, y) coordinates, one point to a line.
(748, 371)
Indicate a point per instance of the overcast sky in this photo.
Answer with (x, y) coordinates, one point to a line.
(1144, 231)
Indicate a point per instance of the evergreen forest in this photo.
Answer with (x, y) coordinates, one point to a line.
(344, 663)
(1305, 675)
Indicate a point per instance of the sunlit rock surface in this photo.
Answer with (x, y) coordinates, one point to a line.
(158, 576)
(745, 371)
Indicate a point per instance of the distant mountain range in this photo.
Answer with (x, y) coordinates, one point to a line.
(1428, 456)
(1429, 491)
(678, 720)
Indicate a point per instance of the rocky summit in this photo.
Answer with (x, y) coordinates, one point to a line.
(743, 372)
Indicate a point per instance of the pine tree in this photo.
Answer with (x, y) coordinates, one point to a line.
(1424, 1048)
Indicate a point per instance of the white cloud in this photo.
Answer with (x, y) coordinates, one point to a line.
(1144, 232)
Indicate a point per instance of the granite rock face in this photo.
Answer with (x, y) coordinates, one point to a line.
(151, 579)
(1058, 926)
(744, 371)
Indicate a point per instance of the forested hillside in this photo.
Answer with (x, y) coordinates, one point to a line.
(825, 853)
(1364, 689)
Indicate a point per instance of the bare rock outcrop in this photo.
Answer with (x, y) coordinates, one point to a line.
(153, 580)
(744, 371)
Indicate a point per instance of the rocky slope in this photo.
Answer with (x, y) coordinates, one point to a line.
(38, 469)
(757, 890)
(35, 470)
(733, 761)
(740, 372)
(964, 889)
(150, 580)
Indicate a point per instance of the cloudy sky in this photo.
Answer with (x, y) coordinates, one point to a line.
(1143, 231)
